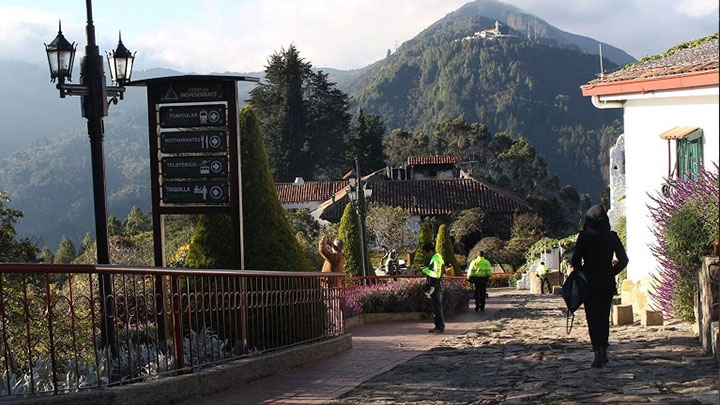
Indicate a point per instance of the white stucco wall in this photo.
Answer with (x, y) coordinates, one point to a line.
(645, 118)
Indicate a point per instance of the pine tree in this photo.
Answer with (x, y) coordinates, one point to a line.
(12, 249)
(425, 236)
(86, 243)
(136, 222)
(115, 227)
(444, 246)
(270, 243)
(349, 233)
(66, 251)
(304, 118)
(366, 142)
(47, 256)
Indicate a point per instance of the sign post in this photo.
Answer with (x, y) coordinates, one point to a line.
(194, 164)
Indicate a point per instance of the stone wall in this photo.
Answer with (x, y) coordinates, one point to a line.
(635, 293)
(706, 305)
(617, 181)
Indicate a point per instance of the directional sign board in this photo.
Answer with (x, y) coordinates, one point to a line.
(205, 192)
(193, 142)
(194, 167)
(204, 115)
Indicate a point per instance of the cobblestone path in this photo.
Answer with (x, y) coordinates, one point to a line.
(522, 354)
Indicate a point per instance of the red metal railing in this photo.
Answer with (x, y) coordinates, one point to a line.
(57, 334)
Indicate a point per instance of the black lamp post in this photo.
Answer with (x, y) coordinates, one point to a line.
(94, 102)
(359, 193)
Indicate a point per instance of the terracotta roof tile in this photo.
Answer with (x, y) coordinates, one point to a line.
(309, 191)
(437, 197)
(431, 160)
(699, 58)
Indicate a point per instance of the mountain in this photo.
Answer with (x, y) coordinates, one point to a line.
(522, 87)
(519, 86)
(536, 28)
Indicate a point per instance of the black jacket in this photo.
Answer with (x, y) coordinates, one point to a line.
(595, 248)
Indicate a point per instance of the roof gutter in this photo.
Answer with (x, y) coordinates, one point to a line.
(601, 104)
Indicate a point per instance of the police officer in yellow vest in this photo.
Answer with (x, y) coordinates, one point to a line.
(541, 271)
(434, 286)
(478, 273)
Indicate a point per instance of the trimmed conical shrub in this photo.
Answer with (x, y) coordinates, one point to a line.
(349, 233)
(425, 236)
(209, 247)
(269, 241)
(444, 246)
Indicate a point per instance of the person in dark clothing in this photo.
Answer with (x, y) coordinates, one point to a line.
(601, 255)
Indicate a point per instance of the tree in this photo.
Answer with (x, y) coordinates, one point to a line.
(302, 222)
(137, 222)
(304, 119)
(115, 226)
(66, 251)
(47, 256)
(86, 244)
(269, 241)
(12, 249)
(366, 142)
(527, 229)
(349, 233)
(425, 236)
(388, 228)
(401, 143)
(444, 246)
(474, 224)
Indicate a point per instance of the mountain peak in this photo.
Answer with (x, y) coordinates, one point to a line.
(528, 25)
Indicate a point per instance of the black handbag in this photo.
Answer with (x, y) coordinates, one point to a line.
(574, 292)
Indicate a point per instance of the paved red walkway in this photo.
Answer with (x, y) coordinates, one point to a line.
(377, 347)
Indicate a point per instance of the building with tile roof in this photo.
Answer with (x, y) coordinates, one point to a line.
(670, 114)
(430, 186)
(437, 198)
(307, 195)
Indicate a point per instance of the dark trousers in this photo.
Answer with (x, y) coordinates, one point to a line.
(480, 291)
(544, 281)
(597, 313)
(436, 300)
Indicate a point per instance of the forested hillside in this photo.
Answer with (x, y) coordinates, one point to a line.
(51, 180)
(520, 87)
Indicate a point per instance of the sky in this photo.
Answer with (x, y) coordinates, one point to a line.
(216, 36)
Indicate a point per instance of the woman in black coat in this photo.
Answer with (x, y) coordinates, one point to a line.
(601, 255)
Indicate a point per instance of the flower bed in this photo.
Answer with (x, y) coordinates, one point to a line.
(393, 295)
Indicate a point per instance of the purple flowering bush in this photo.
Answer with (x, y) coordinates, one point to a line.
(402, 295)
(685, 220)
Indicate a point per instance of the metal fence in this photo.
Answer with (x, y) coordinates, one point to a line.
(63, 330)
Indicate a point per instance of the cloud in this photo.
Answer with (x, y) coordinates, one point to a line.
(205, 36)
(698, 8)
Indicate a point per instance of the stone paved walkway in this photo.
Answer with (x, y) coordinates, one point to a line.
(517, 351)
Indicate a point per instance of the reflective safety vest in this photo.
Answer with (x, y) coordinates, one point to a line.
(434, 269)
(480, 267)
(541, 270)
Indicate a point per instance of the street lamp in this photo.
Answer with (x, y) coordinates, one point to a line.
(359, 193)
(94, 102)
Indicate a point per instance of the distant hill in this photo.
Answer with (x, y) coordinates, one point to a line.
(521, 87)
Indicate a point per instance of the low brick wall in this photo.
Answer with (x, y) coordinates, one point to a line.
(204, 382)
